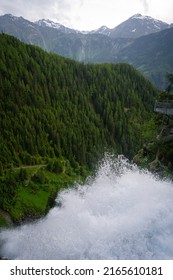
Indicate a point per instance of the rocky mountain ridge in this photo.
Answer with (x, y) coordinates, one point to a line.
(134, 27)
(120, 44)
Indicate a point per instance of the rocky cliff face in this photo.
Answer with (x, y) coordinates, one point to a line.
(157, 156)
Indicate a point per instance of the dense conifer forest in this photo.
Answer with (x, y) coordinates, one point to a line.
(57, 119)
(54, 107)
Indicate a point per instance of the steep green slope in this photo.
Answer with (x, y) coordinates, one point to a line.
(55, 107)
(152, 55)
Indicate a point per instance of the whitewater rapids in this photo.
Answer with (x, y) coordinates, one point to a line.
(123, 213)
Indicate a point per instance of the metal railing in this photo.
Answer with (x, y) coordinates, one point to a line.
(164, 107)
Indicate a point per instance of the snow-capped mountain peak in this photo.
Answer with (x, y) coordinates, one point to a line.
(48, 23)
(55, 25)
(14, 18)
(139, 16)
(102, 30)
(138, 25)
(155, 22)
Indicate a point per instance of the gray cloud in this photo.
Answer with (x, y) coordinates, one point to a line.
(86, 14)
(37, 7)
(63, 11)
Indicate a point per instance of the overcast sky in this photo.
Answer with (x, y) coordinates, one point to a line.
(88, 14)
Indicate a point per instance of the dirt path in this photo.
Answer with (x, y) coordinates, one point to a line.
(30, 166)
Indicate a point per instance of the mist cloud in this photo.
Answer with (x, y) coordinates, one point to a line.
(145, 5)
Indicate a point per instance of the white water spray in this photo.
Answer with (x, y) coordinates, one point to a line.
(122, 214)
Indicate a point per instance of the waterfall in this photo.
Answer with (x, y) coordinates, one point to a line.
(121, 213)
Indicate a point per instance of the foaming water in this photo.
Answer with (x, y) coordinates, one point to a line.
(122, 214)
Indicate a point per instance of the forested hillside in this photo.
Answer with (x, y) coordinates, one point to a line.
(54, 107)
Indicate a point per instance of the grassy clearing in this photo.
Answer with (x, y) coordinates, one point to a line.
(37, 189)
(3, 222)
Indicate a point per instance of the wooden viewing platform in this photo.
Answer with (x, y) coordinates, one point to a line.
(164, 107)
